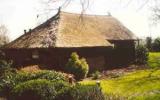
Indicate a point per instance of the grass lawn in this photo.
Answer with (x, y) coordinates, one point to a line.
(154, 59)
(139, 85)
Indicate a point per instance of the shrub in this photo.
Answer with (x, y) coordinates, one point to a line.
(149, 43)
(141, 54)
(96, 75)
(6, 83)
(78, 67)
(5, 67)
(9, 80)
(156, 44)
(42, 74)
(86, 92)
(40, 89)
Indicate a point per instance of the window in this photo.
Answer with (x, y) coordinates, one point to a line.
(35, 54)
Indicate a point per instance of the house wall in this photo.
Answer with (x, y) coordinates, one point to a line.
(123, 53)
(56, 58)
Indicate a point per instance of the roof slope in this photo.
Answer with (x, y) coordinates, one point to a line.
(42, 36)
(79, 31)
(74, 30)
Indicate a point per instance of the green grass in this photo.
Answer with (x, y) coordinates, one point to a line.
(138, 85)
(154, 60)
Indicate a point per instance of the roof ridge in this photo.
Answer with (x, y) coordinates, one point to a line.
(85, 14)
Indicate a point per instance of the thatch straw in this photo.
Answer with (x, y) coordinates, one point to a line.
(74, 30)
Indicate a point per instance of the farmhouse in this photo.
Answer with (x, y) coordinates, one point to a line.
(101, 39)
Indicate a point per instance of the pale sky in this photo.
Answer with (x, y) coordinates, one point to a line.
(18, 15)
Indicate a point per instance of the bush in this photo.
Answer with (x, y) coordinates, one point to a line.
(156, 44)
(141, 54)
(149, 43)
(78, 67)
(5, 67)
(86, 92)
(42, 74)
(10, 80)
(96, 75)
(40, 89)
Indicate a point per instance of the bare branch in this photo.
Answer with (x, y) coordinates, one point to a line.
(3, 35)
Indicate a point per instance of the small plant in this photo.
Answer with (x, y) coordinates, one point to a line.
(141, 54)
(78, 67)
(96, 75)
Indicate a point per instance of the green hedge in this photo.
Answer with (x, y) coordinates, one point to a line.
(9, 80)
(40, 89)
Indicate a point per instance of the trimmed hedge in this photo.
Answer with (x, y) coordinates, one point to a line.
(40, 89)
(10, 80)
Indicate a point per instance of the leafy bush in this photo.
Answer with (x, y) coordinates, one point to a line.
(6, 83)
(9, 80)
(156, 44)
(5, 67)
(149, 43)
(141, 54)
(96, 75)
(42, 74)
(40, 89)
(86, 92)
(78, 67)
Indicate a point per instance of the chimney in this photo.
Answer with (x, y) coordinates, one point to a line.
(30, 30)
(109, 14)
(25, 31)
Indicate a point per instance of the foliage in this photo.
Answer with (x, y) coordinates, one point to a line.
(154, 60)
(6, 84)
(141, 54)
(96, 75)
(149, 43)
(10, 80)
(42, 74)
(87, 92)
(83, 92)
(40, 89)
(156, 44)
(5, 67)
(78, 67)
(4, 39)
(45, 85)
(132, 86)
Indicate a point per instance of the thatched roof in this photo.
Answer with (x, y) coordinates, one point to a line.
(74, 30)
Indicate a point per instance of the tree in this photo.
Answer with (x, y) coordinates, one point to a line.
(141, 54)
(156, 44)
(149, 43)
(4, 39)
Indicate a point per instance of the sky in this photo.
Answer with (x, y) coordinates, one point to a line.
(18, 15)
